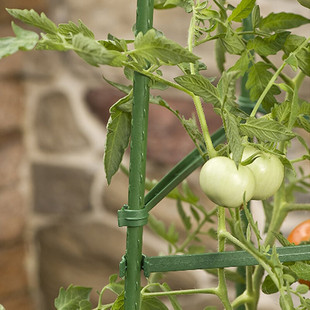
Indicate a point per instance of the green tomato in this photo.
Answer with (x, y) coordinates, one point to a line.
(225, 184)
(305, 3)
(268, 172)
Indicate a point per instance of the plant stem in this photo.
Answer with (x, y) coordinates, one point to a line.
(197, 102)
(266, 90)
(222, 286)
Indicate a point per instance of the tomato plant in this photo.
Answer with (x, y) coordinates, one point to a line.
(268, 172)
(226, 184)
(226, 181)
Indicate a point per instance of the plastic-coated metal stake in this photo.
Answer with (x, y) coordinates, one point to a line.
(144, 22)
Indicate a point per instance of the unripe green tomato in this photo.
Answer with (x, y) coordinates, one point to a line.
(305, 3)
(225, 184)
(268, 172)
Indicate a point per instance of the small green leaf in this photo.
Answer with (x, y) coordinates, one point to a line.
(233, 136)
(118, 133)
(155, 48)
(25, 40)
(152, 303)
(119, 303)
(32, 18)
(268, 286)
(94, 53)
(266, 130)
(242, 10)
(71, 29)
(270, 45)
(278, 21)
(233, 43)
(185, 218)
(256, 18)
(302, 289)
(201, 87)
(258, 79)
(242, 64)
(301, 269)
(72, 298)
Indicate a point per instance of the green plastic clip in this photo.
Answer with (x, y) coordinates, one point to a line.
(132, 218)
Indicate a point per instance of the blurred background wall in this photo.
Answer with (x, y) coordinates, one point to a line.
(58, 222)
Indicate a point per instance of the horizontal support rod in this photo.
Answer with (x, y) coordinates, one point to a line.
(218, 259)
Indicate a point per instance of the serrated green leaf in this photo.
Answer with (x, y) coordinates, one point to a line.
(233, 136)
(152, 303)
(266, 130)
(256, 18)
(304, 123)
(302, 289)
(119, 303)
(118, 133)
(258, 79)
(242, 64)
(303, 56)
(226, 86)
(301, 269)
(52, 42)
(159, 228)
(270, 45)
(71, 298)
(233, 43)
(94, 53)
(32, 18)
(71, 29)
(85, 305)
(186, 220)
(268, 286)
(201, 87)
(242, 10)
(25, 40)
(283, 20)
(155, 48)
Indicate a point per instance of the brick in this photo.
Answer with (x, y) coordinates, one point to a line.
(11, 106)
(13, 278)
(11, 155)
(12, 215)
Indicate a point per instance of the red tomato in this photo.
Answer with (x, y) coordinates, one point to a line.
(300, 233)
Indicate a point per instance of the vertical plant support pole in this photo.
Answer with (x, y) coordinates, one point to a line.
(144, 21)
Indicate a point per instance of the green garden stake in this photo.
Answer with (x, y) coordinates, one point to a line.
(133, 256)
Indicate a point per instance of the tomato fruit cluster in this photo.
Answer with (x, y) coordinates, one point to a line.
(228, 185)
(225, 184)
(300, 233)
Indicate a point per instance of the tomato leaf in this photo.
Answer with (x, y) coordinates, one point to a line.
(301, 269)
(266, 130)
(242, 10)
(118, 133)
(25, 40)
(155, 48)
(201, 87)
(233, 136)
(186, 220)
(233, 43)
(270, 45)
(119, 302)
(258, 79)
(32, 18)
(278, 21)
(152, 303)
(73, 298)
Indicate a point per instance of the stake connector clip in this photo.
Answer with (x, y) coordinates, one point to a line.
(132, 218)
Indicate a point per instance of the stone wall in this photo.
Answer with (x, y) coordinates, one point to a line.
(58, 222)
